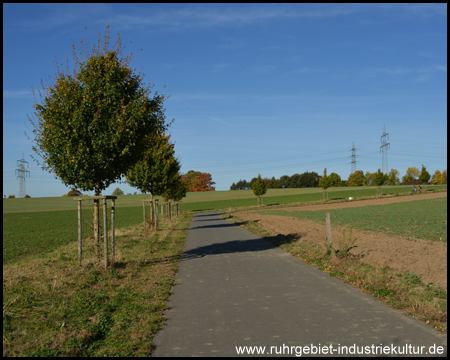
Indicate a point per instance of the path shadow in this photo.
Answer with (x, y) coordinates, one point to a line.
(229, 247)
(224, 225)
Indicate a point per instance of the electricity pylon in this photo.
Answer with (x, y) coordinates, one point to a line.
(353, 158)
(21, 174)
(384, 149)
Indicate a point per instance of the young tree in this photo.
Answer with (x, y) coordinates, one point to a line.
(411, 174)
(74, 192)
(157, 169)
(176, 191)
(380, 178)
(190, 178)
(203, 183)
(259, 188)
(335, 179)
(356, 178)
(117, 192)
(369, 179)
(284, 181)
(424, 175)
(325, 181)
(439, 178)
(393, 177)
(93, 125)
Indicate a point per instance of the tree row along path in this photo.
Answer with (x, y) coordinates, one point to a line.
(236, 289)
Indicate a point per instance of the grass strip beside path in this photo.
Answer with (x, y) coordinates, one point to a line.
(52, 307)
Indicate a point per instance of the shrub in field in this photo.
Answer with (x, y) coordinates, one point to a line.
(439, 178)
(411, 174)
(74, 192)
(335, 179)
(356, 178)
(12, 196)
(117, 192)
(27, 196)
(393, 177)
(424, 175)
(380, 178)
(259, 188)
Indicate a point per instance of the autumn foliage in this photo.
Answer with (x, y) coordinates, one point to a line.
(197, 181)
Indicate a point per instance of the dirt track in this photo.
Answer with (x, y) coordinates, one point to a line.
(398, 254)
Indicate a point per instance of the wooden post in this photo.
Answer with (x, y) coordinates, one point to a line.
(170, 211)
(229, 212)
(97, 228)
(113, 231)
(162, 212)
(151, 214)
(105, 229)
(80, 233)
(180, 206)
(143, 205)
(177, 209)
(248, 216)
(156, 214)
(327, 217)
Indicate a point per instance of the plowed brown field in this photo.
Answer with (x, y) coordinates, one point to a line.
(397, 254)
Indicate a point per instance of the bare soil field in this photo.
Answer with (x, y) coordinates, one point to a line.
(397, 254)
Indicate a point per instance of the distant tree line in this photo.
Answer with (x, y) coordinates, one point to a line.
(307, 179)
(358, 178)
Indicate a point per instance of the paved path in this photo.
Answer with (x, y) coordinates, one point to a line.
(239, 290)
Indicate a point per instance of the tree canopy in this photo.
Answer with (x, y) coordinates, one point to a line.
(424, 175)
(393, 177)
(411, 174)
(325, 181)
(259, 188)
(157, 170)
(380, 178)
(356, 178)
(198, 181)
(93, 125)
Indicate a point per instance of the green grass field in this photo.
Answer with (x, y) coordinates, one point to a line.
(33, 227)
(215, 199)
(423, 219)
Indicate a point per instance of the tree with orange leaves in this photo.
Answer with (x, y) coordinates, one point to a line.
(197, 181)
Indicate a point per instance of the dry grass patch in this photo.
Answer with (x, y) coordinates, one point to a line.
(52, 307)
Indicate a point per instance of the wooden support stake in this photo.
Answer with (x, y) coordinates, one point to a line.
(229, 212)
(327, 217)
(180, 206)
(162, 212)
(248, 216)
(143, 205)
(177, 209)
(156, 214)
(113, 231)
(105, 230)
(80, 233)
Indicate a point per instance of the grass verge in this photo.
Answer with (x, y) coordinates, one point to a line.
(405, 292)
(52, 307)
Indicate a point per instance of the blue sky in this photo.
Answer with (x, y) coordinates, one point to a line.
(258, 88)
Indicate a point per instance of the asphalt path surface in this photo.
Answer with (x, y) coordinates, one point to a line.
(236, 289)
